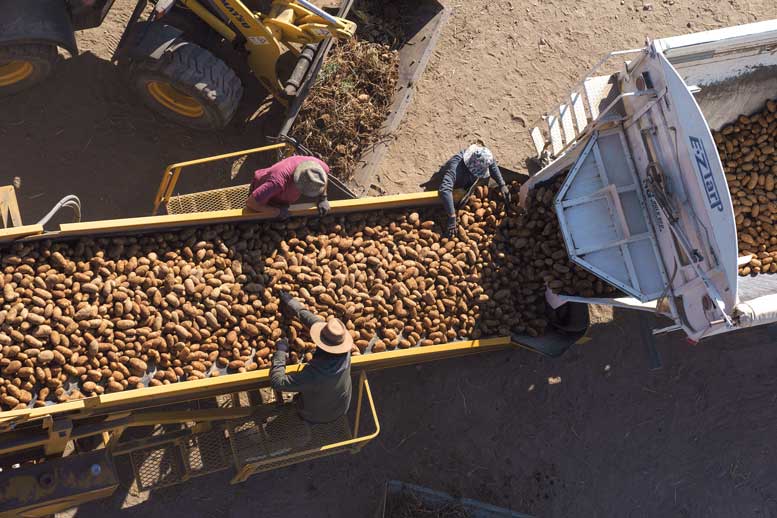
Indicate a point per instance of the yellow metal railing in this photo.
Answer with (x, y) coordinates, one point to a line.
(256, 439)
(12, 227)
(9, 207)
(320, 434)
(173, 171)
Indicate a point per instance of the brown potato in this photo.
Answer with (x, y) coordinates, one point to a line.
(750, 167)
(104, 311)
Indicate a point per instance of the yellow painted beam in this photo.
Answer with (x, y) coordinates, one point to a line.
(188, 390)
(13, 233)
(239, 215)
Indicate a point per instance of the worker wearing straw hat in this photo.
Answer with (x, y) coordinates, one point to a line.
(462, 171)
(285, 182)
(325, 382)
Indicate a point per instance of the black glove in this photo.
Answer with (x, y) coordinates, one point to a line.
(323, 207)
(450, 227)
(288, 303)
(282, 345)
(285, 297)
(505, 194)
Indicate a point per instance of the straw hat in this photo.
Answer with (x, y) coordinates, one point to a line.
(310, 178)
(332, 336)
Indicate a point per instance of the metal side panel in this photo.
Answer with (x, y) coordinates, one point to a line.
(604, 221)
(676, 48)
(703, 178)
(43, 489)
(600, 91)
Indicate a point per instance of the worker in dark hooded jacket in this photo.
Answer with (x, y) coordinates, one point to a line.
(461, 171)
(324, 384)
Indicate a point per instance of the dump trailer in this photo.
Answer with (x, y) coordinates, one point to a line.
(59, 452)
(645, 203)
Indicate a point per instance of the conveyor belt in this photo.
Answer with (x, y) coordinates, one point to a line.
(150, 397)
(233, 382)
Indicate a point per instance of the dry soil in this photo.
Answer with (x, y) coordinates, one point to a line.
(613, 438)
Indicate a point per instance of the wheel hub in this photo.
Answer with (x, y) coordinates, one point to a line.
(175, 100)
(12, 72)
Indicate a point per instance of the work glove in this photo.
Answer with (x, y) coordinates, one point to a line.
(289, 303)
(450, 227)
(282, 345)
(323, 207)
(505, 194)
(285, 297)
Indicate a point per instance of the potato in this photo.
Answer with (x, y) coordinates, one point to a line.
(747, 151)
(102, 312)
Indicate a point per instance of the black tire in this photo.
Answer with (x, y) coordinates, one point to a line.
(23, 66)
(195, 72)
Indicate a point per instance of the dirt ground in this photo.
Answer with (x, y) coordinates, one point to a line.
(500, 65)
(613, 438)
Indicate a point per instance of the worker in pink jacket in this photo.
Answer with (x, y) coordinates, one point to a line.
(285, 182)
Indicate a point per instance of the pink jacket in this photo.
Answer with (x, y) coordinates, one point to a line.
(275, 184)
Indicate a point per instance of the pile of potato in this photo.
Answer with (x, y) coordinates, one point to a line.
(747, 150)
(535, 250)
(84, 317)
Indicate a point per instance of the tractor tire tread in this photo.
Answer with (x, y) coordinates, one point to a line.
(44, 55)
(191, 65)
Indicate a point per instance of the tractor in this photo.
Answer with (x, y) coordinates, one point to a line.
(189, 60)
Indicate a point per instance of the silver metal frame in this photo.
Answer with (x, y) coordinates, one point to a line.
(609, 194)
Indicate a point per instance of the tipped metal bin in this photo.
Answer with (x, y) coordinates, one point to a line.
(439, 502)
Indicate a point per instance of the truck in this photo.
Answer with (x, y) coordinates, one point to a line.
(645, 204)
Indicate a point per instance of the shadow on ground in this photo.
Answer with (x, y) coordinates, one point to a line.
(84, 133)
(613, 438)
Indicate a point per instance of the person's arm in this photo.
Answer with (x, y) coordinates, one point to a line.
(299, 311)
(323, 202)
(323, 205)
(258, 200)
(308, 318)
(448, 172)
(279, 380)
(262, 195)
(496, 174)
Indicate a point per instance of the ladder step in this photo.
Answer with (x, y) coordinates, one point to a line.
(566, 123)
(578, 108)
(538, 140)
(556, 143)
(601, 91)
